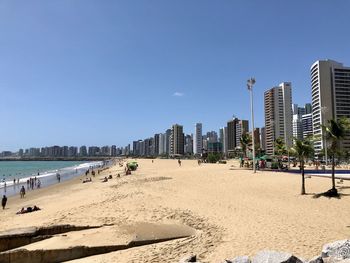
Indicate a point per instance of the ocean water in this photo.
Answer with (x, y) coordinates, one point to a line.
(45, 171)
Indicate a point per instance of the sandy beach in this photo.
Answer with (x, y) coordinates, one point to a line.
(233, 212)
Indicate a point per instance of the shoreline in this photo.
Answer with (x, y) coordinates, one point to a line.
(234, 212)
(47, 178)
(87, 158)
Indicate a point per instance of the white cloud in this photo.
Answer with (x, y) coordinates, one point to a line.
(178, 94)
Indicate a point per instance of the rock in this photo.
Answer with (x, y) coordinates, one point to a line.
(317, 259)
(244, 259)
(335, 260)
(338, 250)
(189, 258)
(267, 256)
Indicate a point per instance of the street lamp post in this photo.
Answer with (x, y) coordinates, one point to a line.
(250, 83)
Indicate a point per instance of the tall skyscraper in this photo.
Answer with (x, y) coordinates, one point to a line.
(278, 115)
(162, 144)
(222, 138)
(242, 127)
(198, 140)
(235, 129)
(82, 151)
(306, 121)
(297, 126)
(212, 136)
(330, 87)
(167, 141)
(189, 144)
(177, 140)
(114, 150)
(156, 145)
(298, 113)
(231, 134)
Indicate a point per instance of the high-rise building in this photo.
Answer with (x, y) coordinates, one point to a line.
(225, 141)
(263, 138)
(278, 115)
(167, 141)
(306, 121)
(298, 113)
(156, 145)
(72, 151)
(113, 150)
(297, 126)
(231, 134)
(136, 148)
(198, 139)
(212, 136)
(257, 137)
(148, 146)
(308, 108)
(93, 151)
(82, 151)
(235, 129)
(222, 138)
(177, 140)
(64, 151)
(242, 127)
(188, 144)
(205, 143)
(162, 144)
(330, 87)
(105, 151)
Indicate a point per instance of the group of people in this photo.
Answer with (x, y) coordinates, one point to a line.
(15, 181)
(87, 180)
(33, 182)
(28, 210)
(105, 179)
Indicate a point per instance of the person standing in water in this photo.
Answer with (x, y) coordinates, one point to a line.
(4, 201)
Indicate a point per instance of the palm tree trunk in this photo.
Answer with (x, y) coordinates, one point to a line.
(333, 172)
(302, 177)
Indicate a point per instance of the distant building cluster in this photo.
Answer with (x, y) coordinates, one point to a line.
(174, 142)
(284, 120)
(70, 151)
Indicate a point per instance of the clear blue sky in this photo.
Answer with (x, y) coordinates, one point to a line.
(105, 72)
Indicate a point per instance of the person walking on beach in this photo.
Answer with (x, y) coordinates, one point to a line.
(39, 184)
(22, 192)
(179, 162)
(4, 201)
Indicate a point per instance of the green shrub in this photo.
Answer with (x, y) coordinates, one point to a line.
(213, 157)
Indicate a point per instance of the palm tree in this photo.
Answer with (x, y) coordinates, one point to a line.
(245, 140)
(280, 146)
(336, 131)
(302, 149)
